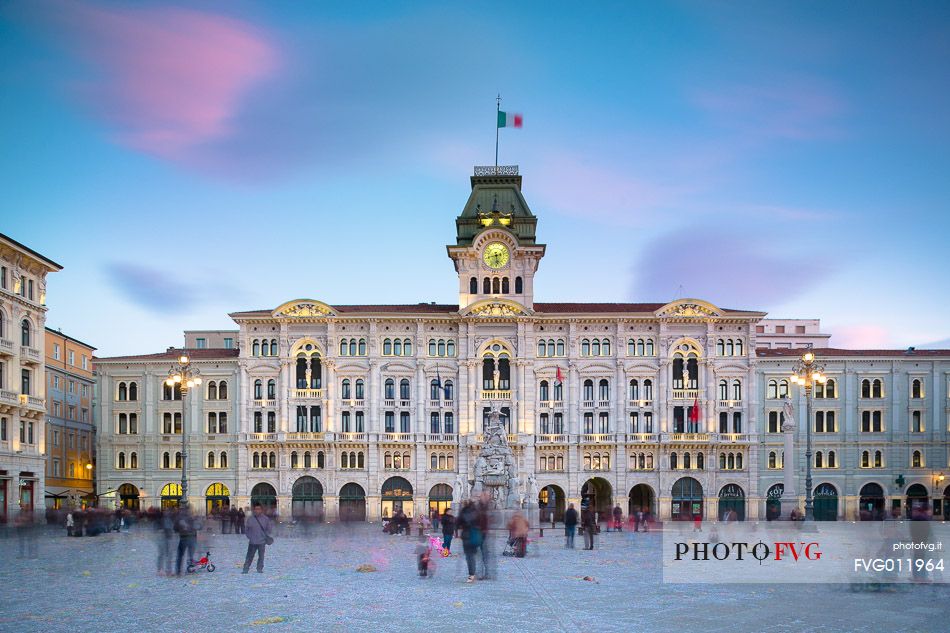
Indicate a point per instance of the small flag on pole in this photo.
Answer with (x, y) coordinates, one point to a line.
(509, 119)
(559, 378)
(694, 411)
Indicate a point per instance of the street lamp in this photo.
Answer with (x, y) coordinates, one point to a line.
(938, 478)
(185, 377)
(807, 374)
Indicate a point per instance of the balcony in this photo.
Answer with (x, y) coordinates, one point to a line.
(397, 437)
(264, 402)
(171, 437)
(587, 404)
(496, 394)
(262, 437)
(8, 398)
(603, 404)
(352, 402)
(32, 403)
(687, 394)
(551, 439)
(640, 403)
(552, 404)
(729, 404)
(734, 438)
(351, 437)
(598, 438)
(642, 438)
(444, 404)
(6, 347)
(305, 437)
(405, 403)
(30, 355)
(306, 394)
(442, 438)
(687, 437)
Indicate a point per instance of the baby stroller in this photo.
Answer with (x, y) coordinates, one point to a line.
(516, 546)
(202, 563)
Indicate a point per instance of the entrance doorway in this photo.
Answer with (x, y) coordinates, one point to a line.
(129, 497)
(440, 498)
(551, 500)
(171, 495)
(217, 498)
(871, 503)
(687, 500)
(826, 503)
(642, 498)
(918, 501)
(3, 500)
(307, 499)
(396, 496)
(264, 494)
(26, 494)
(732, 500)
(352, 502)
(773, 502)
(596, 495)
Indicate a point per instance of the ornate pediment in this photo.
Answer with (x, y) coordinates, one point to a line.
(496, 309)
(303, 309)
(688, 309)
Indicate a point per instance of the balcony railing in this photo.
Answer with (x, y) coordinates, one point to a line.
(351, 437)
(262, 437)
(353, 402)
(447, 404)
(640, 403)
(264, 402)
(405, 403)
(32, 402)
(29, 354)
(496, 394)
(8, 397)
(587, 404)
(442, 438)
(688, 437)
(644, 438)
(603, 404)
(307, 394)
(552, 404)
(730, 404)
(512, 438)
(687, 394)
(551, 439)
(734, 437)
(397, 437)
(306, 436)
(598, 438)
(6, 347)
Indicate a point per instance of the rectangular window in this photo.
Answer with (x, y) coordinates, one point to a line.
(3, 277)
(760, 329)
(404, 422)
(72, 387)
(85, 363)
(30, 286)
(780, 329)
(56, 468)
(56, 411)
(72, 412)
(30, 435)
(799, 329)
(56, 351)
(228, 343)
(390, 418)
(55, 438)
(3, 429)
(201, 343)
(72, 358)
(85, 391)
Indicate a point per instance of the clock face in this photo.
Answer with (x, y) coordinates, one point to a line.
(496, 255)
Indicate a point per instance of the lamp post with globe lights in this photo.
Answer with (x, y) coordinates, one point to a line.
(807, 374)
(185, 377)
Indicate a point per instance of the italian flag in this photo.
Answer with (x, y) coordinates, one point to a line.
(509, 119)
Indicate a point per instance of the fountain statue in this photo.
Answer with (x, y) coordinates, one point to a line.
(495, 470)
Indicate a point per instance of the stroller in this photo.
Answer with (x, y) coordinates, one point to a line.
(516, 546)
(202, 563)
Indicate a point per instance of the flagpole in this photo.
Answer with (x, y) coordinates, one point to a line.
(497, 113)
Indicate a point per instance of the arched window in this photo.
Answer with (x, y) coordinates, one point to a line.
(486, 286)
(772, 459)
(352, 347)
(865, 459)
(25, 333)
(496, 286)
(123, 391)
(585, 347)
(603, 389)
(877, 388)
(343, 347)
(307, 460)
(543, 391)
(505, 286)
(389, 389)
(256, 461)
(212, 390)
(407, 347)
(739, 347)
(256, 348)
(449, 390)
(739, 461)
(878, 459)
(722, 461)
(134, 460)
(404, 389)
(450, 348)
(519, 286)
(830, 389)
(737, 390)
(605, 347)
(273, 347)
(917, 389)
(223, 462)
(720, 348)
(362, 347)
(634, 389)
(387, 347)
(865, 388)
(133, 391)
(273, 460)
(271, 389)
(359, 394)
(441, 347)
(673, 461)
(121, 460)
(258, 389)
(819, 460)
(222, 390)
(542, 350)
(729, 348)
(397, 347)
(917, 461)
(648, 390)
(588, 389)
(178, 460)
(473, 286)
(210, 459)
(595, 348)
(294, 459)
(345, 389)
(432, 347)
(723, 390)
(700, 461)
(265, 348)
(771, 390)
(831, 459)
(687, 461)
(321, 459)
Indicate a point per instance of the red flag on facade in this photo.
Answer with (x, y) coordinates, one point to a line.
(694, 411)
(560, 377)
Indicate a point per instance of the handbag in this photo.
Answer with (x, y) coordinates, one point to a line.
(268, 538)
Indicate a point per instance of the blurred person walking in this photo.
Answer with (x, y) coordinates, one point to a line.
(448, 529)
(187, 528)
(258, 530)
(518, 534)
(164, 533)
(570, 526)
(472, 536)
(588, 524)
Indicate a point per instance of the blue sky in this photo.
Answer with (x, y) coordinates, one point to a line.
(187, 160)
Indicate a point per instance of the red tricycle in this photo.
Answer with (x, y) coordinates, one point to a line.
(202, 563)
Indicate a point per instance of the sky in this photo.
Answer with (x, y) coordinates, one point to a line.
(186, 160)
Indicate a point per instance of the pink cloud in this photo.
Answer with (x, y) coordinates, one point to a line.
(861, 336)
(167, 79)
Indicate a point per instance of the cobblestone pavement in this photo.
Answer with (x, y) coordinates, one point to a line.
(108, 583)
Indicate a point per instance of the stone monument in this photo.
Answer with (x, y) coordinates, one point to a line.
(495, 470)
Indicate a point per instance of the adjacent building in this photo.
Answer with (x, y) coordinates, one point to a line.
(70, 433)
(22, 376)
(355, 411)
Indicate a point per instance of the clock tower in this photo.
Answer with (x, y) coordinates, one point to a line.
(495, 251)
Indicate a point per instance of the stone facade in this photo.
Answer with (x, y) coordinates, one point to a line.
(22, 377)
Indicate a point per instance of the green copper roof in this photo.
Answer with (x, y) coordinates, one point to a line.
(500, 194)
